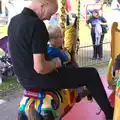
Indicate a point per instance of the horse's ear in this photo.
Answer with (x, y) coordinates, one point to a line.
(67, 20)
(75, 22)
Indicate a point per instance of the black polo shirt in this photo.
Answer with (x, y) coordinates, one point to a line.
(27, 36)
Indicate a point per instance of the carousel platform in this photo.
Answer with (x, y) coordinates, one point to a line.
(85, 110)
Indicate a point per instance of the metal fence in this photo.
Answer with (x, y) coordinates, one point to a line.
(85, 55)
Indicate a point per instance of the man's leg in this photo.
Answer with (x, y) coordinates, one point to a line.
(88, 77)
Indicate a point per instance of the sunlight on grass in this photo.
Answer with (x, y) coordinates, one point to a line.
(84, 34)
(10, 83)
(3, 31)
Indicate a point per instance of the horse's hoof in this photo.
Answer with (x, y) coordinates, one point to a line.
(78, 99)
(21, 116)
(47, 115)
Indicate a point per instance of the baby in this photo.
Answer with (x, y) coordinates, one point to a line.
(55, 42)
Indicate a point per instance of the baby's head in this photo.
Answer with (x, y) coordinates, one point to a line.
(55, 35)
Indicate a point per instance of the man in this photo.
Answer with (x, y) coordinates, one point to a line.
(29, 24)
(28, 39)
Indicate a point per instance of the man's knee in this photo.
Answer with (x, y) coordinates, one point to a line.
(93, 70)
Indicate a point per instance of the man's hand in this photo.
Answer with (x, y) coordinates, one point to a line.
(57, 62)
(44, 67)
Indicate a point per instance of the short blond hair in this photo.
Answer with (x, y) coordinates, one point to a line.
(54, 31)
(44, 1)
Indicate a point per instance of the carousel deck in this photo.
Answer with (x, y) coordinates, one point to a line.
(85, 110)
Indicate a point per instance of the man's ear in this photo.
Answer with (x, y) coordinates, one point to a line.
(42, 5)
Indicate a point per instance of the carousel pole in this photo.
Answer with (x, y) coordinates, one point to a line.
(78, 21)
(63, 14)
(78, 26)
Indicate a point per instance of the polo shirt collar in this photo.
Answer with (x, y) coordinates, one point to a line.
(29, 12)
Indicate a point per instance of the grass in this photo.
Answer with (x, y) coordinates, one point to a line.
(10, 83)
(3, 31)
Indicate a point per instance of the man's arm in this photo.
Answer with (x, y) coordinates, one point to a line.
(42, 66)
(39, 49)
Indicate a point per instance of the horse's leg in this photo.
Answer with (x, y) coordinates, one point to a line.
(32, 113)
(21, 116)
(45, 115)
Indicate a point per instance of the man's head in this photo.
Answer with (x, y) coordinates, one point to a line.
(44, 8)
(55, 35)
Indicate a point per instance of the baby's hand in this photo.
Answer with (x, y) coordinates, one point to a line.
(65, 49)
(57, 61)
(67, 53)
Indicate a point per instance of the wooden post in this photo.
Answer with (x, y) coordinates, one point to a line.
(78, 27)
(62, 14)
(78, 20)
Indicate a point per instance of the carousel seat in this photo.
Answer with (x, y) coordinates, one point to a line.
(32, 93)
(40, 94)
